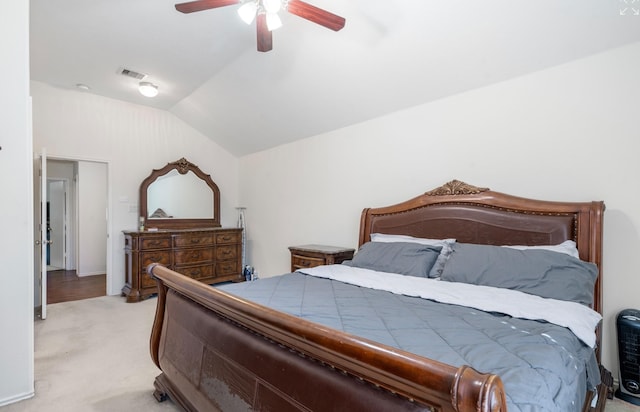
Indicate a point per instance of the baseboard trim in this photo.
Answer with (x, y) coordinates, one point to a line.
(80, 275)
(17, 398)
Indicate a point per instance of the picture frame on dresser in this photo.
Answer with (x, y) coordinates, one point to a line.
(184, 238)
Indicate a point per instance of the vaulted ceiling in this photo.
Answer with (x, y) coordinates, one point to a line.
(391, 55)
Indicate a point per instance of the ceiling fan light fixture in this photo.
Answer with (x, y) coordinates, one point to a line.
(273, 21)
(272, 6)
(148, 89)
(265, 14)
(248, 12)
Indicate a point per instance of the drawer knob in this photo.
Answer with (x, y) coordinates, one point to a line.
(154, 243)
(195, 273)
(195, 240)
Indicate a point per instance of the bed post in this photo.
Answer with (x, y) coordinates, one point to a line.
(491, 397)
(154, 342)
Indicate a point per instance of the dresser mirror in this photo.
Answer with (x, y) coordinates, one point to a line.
(178, 196)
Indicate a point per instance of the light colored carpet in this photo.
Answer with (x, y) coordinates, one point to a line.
(93, 355)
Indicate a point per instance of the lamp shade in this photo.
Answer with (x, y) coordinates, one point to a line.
(272, 6)
(248, 11)
(273, 21)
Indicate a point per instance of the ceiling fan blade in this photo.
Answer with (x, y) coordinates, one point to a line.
(265, 37)
(316, 15)
(200, 5)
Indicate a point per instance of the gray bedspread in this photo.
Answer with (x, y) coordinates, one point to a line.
(544, 367)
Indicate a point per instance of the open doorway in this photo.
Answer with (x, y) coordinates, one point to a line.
(77, 230)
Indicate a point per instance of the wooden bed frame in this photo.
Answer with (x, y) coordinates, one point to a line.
(219, 352)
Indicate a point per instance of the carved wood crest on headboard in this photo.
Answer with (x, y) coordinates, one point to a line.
(456, 187)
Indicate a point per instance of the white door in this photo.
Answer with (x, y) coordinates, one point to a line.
(41, 235)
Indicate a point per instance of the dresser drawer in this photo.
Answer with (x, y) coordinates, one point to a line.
(227, 267)
(161, 256)
(227, 252)
(305, 262)
(196, 272)
(228, 237)
(147, 281)
(193, 239)
(190, 256)
(147, 243)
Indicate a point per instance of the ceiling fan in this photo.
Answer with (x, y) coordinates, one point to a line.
(265, 13)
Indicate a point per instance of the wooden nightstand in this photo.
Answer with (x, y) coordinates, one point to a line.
(308, 256)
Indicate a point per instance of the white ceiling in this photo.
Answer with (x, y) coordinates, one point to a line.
(391, 55)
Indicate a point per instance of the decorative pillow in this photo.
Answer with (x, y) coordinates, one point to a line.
(568, 247)
(535, 271)
(446, 244)
(404, 258)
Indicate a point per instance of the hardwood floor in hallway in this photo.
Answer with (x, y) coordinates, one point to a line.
(66, 285)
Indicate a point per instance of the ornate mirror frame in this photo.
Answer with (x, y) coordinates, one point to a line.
(183, 166)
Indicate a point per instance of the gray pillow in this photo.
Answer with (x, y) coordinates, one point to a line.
(438, 267)
(538, 272)
(436, 270)
(411, 259)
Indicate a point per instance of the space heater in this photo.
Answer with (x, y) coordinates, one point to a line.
(628, 327)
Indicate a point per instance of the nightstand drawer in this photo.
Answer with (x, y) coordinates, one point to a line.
(308, 256)
(298, 262)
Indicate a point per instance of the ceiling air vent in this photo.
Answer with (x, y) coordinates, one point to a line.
(131, 73)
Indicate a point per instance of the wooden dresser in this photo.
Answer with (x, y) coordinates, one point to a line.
(210, 255)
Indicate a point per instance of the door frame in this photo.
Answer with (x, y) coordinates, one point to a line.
(109, 212)
(40, 233)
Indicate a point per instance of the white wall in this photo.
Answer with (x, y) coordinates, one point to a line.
(568, 133)
(16, 219)
(133, 140)
(92, 218)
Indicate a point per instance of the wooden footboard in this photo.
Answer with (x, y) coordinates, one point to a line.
(219, 352)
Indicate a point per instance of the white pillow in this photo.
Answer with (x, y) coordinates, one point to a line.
(567, 247)
(382, 237)
(446, 244)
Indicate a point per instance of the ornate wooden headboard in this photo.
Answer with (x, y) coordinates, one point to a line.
(479, 215)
